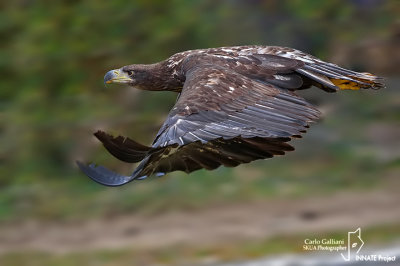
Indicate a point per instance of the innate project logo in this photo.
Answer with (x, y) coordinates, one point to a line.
(354, 244)
(350, 248)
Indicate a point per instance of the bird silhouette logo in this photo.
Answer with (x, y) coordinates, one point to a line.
(354, 244)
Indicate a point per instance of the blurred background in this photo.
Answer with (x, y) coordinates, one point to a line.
(344, 174)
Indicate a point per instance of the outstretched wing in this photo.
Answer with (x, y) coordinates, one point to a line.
(221, 118)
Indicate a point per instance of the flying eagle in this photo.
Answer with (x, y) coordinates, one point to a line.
(235, 105)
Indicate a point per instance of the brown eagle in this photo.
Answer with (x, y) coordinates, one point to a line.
(235, 105)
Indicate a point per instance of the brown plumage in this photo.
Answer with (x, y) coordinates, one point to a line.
(236, 105)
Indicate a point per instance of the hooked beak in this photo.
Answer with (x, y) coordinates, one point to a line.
(117, 76)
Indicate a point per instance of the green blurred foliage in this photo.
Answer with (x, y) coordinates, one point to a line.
(52, 60)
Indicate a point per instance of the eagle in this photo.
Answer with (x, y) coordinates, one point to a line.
(235, 105)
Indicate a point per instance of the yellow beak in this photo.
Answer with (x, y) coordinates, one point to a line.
(116, 76)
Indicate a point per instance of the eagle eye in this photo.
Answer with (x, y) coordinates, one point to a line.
(130, 72)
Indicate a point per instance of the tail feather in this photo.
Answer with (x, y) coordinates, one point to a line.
(332, 77)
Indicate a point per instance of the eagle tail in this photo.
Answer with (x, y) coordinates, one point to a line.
(331, 77)
(367, 81)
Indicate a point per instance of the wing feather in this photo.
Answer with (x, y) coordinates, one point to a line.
(123, 148)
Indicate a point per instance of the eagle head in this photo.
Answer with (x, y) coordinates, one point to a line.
(123, 75)
(146, 77)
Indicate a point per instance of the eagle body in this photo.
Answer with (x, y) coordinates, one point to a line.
(235, 105)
